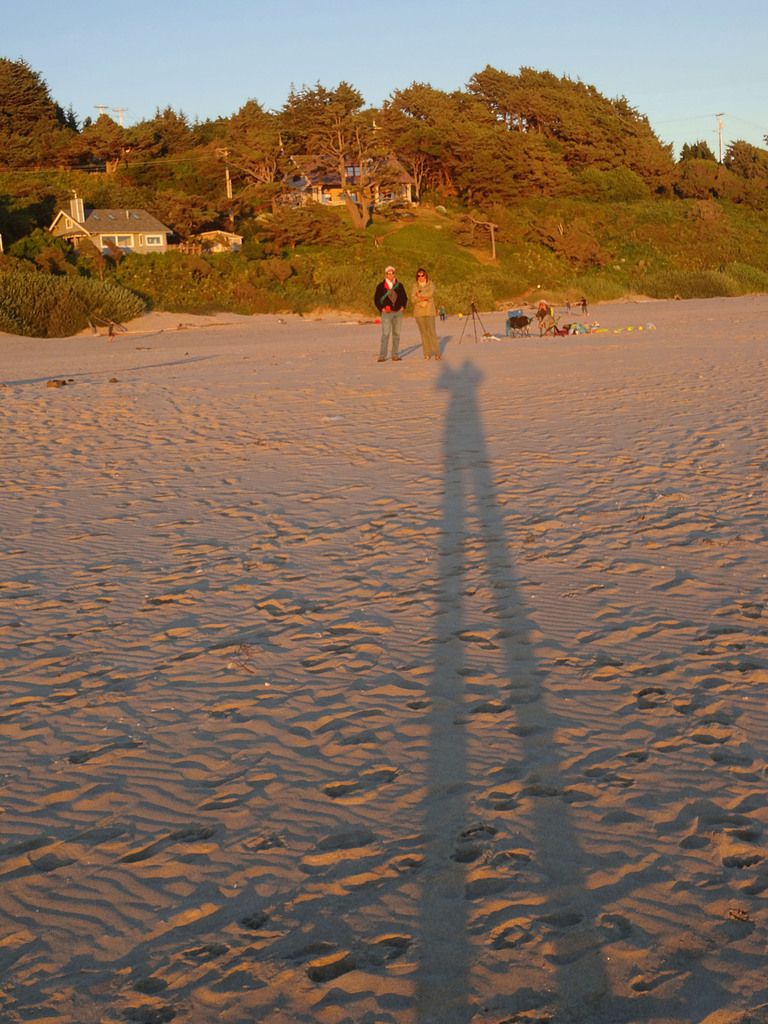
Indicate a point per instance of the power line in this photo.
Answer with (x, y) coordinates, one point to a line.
(751, 124)
(128, 164)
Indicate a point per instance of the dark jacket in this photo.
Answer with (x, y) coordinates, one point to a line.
(382, 299)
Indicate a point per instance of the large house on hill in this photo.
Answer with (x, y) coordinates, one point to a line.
(129, 230)
(311, 183)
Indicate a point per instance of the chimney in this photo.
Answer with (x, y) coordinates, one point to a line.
(76, 209)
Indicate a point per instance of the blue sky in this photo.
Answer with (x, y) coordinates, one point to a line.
(679, 62)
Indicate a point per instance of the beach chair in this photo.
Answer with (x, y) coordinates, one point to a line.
(547, 325)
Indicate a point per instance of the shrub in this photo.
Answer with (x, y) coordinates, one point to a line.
(281, 270)
(749, 278)
(341, 285)
(458, 297)
(597, 288)
(42, 306)
(53, 255)
(696, 284)
(307, 225)
(174, 282)
(620, 184)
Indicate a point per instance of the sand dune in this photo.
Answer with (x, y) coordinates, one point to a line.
(386, 694)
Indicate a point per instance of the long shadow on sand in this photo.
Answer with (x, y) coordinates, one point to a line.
(471, 519)
(88, 377)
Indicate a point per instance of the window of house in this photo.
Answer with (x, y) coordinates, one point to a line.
(122, 241)
(153, 240)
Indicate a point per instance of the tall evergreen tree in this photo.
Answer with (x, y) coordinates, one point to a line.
(747, 161)
(165, 134)
(422, 116)
(102, 142)
(589, 129)
(331, 127)
(29, 118)
(700, 150)
(25, 103)
(253, 143)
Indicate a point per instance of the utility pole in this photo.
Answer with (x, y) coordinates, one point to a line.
(224, 154)
(119, 111)
(720, 136)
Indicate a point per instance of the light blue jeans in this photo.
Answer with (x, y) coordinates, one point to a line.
(390, 324)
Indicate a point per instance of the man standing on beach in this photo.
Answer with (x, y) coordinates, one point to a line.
(390, 300)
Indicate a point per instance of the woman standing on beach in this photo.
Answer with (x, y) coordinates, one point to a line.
(423, 296)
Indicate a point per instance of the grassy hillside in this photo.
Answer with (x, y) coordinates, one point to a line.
(564, 248)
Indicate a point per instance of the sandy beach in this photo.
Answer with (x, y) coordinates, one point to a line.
(356, 693)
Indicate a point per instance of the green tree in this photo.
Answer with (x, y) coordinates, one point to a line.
(185, 213)
(331, 127)
(701, 178)
(102, 142)
(747, 161)
(25, 103)
(70, 119)
(252, 138)
(422, 115)
(500, 166)
(53, 255)
(471, 153)
(590, 129)
(697, 151)
(306, 225)
(165, 134)
(32, 125)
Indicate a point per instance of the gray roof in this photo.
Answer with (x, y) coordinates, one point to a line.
(100, 221)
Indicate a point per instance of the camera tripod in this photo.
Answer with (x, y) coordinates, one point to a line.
(474, 316)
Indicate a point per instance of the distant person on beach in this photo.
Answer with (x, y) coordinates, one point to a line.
(423, 296)
(584, 309)
(543, 310)
(545, 315)
(441, 312)
(390, 300)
